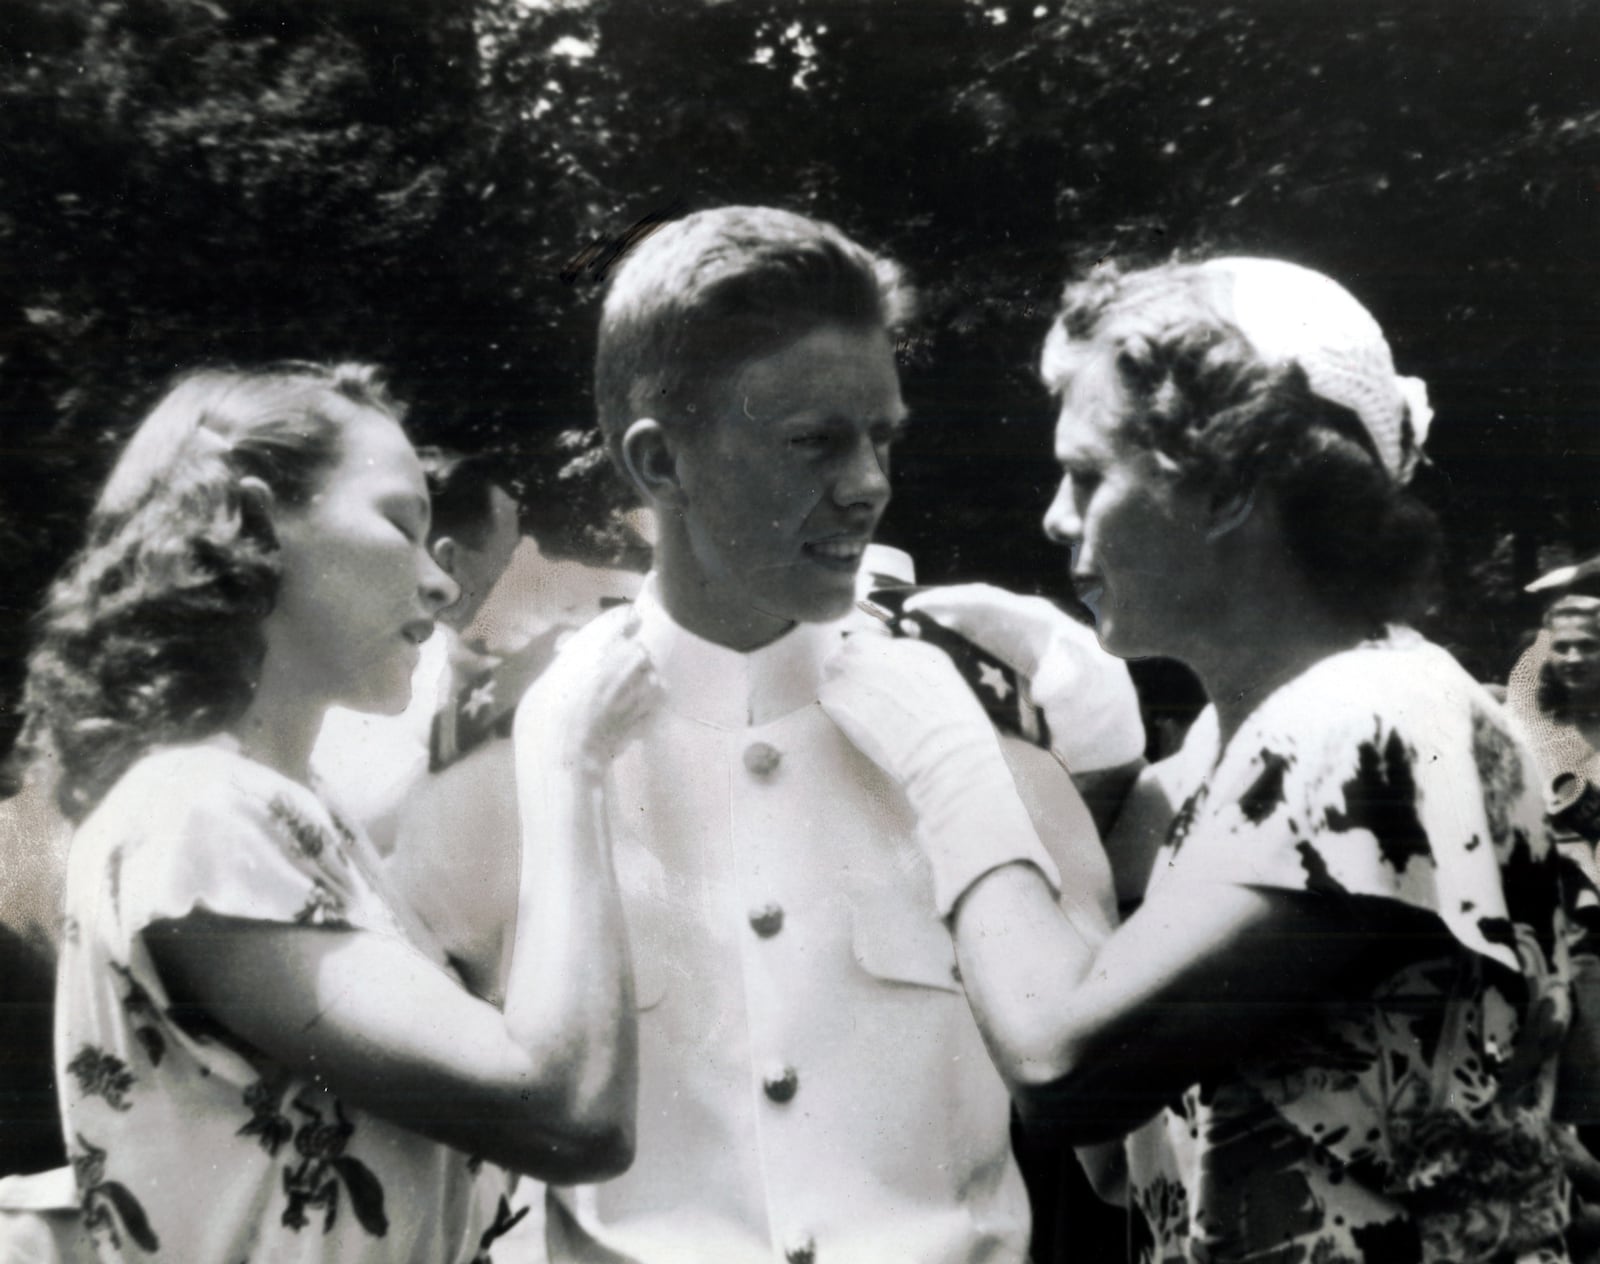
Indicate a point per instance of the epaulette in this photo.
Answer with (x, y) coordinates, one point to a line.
(1003, 693)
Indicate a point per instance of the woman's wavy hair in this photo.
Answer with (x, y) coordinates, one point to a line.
(152, 634)
(1198, 393)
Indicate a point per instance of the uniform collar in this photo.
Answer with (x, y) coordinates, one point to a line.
(725, 688)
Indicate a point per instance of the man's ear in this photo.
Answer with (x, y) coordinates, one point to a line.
(651, 458)
(447, 553)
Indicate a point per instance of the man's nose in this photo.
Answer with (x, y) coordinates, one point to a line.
(865, 478)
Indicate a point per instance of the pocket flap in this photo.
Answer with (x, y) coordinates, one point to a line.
(899, 940)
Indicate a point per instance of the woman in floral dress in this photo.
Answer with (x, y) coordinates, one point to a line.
(259, 1055)
(1332, 1026)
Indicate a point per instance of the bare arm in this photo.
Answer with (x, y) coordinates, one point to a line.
(548, 1087)
(1141, 827)
(1093, 1042)
(456, 861)
(1064, 825)
(387, 1030)
(1106, 791)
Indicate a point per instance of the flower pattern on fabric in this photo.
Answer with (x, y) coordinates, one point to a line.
(306, 836)
(169, 1111)
(322, 907)
(102, 1074)
(142, 1015)
(267, 1121)
(108, 1208)
(315, 1181)
(505, 1220)
(1411, 1123)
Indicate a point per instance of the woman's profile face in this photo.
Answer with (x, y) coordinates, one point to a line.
(359, 589)
(1140, 559)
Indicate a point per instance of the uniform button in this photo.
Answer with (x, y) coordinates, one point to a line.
(767, 920)
(780, 1084)
(955, 973)
(801, 1251)
(761, 760)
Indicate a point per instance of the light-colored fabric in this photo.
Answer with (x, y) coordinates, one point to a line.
(905, 706)
(812, 1083)
(40, 1222)
(1412, 1123)
(188, 1145)
(1292, 315)
(1086, 693)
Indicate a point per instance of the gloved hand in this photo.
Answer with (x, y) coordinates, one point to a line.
(589, 705)
(905, 707)
(1086, 693)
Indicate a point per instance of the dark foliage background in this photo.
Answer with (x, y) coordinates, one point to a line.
(433, 185)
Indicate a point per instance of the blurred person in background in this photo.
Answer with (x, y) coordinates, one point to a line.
(1554, 694)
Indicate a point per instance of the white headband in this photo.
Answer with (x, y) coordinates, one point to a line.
(1292, 315)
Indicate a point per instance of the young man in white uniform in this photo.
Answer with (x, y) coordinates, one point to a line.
(813, 1088)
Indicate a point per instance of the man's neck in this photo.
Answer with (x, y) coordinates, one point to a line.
(712, 613)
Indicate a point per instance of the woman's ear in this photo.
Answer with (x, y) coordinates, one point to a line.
(651, 458)
(1231, 511)
(256, 505)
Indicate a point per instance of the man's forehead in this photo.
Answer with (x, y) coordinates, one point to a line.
(827, 368)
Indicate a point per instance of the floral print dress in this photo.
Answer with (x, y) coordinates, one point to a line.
(1411, 1123)
(187, 1144)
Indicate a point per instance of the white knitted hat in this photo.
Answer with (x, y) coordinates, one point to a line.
(1293, 315)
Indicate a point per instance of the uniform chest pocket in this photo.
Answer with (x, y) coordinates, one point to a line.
(901, 940)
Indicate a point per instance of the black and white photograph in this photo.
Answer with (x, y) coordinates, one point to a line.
(799, 632)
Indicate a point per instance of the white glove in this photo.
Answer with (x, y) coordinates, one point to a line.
(588, 706)
(1086, 693)
(906, 708)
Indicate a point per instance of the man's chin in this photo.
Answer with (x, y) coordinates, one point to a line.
(814, 602)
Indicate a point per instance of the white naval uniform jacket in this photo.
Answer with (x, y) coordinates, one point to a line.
(812, 1087)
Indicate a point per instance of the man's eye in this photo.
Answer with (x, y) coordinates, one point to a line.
(809, 439)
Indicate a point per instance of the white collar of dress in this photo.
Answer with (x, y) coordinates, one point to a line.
(725, 688)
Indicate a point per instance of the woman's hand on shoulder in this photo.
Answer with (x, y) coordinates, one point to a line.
(593, 700)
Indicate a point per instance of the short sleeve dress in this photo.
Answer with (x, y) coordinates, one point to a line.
(187, 1144)
(1411, 1123)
